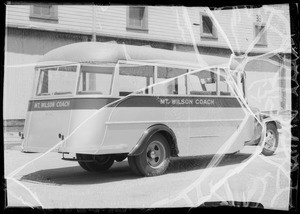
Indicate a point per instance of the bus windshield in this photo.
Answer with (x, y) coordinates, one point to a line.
(59, 80)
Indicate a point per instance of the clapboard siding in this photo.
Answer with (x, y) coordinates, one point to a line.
(23, 48)
(184, 24)
(17, 14)
(18, 85)
(242, 34)
(112, 20)
(21, 9)
(164, 24)
(69, 17)
(238, 31)
(169, 24)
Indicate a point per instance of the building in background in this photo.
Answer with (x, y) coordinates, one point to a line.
(33, 30)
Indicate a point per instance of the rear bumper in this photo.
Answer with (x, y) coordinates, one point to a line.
(115, 149)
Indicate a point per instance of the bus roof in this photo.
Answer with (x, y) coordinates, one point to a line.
(97, 52)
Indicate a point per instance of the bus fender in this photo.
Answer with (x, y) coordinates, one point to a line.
(258, 128)
(271, 120)
(158, 128)
(265, 121)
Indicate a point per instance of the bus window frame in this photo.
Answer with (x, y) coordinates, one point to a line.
(189, 69)
(155, 65)
(215, 71)
(38, 97)
(94, 95)
(173, 78)
(219, 80)
(150, 91)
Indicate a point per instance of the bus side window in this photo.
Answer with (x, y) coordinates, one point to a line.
(176, 86)
(95, 80)
(135, 79)
(202, 83)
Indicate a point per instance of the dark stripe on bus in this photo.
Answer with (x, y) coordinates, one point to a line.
(133, 101)
(69, 103)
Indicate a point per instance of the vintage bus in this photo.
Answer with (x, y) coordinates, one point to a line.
(105, 102)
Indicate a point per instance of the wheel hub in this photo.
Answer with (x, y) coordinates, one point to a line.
(270, 140)
(155, 154)
(152, 154)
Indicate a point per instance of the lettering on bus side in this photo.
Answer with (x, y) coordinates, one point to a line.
(167, 101)
(63, 104)
(187, 101)
(51, 105)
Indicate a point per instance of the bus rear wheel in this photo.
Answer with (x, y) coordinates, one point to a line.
(99, 163)
(82, 164)
(154, 160)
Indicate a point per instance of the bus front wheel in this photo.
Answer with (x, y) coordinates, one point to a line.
(271, 140)
(154, 160)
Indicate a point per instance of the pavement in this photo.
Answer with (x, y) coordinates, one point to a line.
(50, 182)
(53, 183)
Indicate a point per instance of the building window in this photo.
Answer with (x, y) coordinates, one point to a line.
(258, 32)
(208, 28)
(137, 18)
(44, 13)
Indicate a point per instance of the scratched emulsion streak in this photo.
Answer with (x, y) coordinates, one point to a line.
(202, 180)
(224, 181)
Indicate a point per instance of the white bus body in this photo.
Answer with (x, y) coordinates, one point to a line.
(106, 102)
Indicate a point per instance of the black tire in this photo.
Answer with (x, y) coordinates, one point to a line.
(120, 158)
(133, 166)
(271, 139)
(82, 164)
(100, 162)
(154, 160)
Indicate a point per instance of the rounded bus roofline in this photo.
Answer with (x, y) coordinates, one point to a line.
(97, 52)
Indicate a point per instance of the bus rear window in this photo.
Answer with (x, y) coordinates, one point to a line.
(57, 81)
(95, 80)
